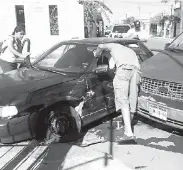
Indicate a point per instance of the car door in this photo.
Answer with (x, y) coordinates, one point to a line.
(94, 106)
(106, 82)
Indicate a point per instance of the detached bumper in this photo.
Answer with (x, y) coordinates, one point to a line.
(18, 129)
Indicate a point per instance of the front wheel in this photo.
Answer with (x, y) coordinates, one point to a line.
(63, 125)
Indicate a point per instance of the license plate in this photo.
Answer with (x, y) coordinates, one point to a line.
(158, 111)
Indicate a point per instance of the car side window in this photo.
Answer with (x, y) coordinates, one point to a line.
(103, 59)
(106, 59)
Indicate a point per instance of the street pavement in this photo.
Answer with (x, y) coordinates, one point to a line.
(158, 147)
(157, 42)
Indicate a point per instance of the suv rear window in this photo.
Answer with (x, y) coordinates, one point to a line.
(121, 29)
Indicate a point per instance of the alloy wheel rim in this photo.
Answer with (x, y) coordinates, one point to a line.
(59, 125)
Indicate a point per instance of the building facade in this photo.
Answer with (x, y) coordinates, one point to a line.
(46, 21)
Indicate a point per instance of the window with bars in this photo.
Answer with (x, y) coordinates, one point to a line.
(20, 17)
(53, 16)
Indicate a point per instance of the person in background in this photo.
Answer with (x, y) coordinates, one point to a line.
(11, 53)
(126, 81)
(86, 31)
(134, 32)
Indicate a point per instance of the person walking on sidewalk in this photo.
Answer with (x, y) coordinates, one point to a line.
(126, 81)
(11, 53)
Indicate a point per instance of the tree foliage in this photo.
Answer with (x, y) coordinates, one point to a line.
(94, 11)
(160, 19)
(129, 20)
(53, 13)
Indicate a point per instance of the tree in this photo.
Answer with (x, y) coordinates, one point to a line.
(164, 21)
(53, 13)
(129, 20)
(94, 11)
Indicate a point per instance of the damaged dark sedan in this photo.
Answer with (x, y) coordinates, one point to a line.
(64, 89)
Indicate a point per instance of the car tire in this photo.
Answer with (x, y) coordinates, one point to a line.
(63, 124)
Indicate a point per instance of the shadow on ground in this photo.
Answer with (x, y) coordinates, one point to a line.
(64, 156)
(173, 143)
(153, 142)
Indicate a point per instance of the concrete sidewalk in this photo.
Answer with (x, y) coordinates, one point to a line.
(72, 157)
(86, 158)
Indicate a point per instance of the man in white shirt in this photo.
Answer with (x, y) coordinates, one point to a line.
(125, 82)
(136, 32)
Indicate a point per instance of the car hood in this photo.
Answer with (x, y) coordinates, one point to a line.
(25, 81)
(167, 66)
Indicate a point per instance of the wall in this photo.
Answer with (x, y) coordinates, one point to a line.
(70, 20)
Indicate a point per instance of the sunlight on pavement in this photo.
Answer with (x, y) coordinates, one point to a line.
(164, 143)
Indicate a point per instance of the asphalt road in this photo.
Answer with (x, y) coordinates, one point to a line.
(157, 147)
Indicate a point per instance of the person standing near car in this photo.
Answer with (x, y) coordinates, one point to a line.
(134, 32)
(11, 53)
(126, 81)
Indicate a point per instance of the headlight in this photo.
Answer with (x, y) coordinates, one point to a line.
(8, 111)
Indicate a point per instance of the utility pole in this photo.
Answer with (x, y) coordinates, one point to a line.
(139, 10)
(181, 16)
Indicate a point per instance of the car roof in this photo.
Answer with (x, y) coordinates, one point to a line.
(101, 40)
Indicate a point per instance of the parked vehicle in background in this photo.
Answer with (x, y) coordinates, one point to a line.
(161, 93)
(107, 30)
(63, 90)
(118, 31)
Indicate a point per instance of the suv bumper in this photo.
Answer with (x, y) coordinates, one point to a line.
(18, 129)
(174, 117)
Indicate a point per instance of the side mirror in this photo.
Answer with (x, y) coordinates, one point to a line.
(102, 69)
(166, 45)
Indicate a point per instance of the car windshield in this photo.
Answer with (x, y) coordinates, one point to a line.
(67, 58)
(177, 43)
(121, 29)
